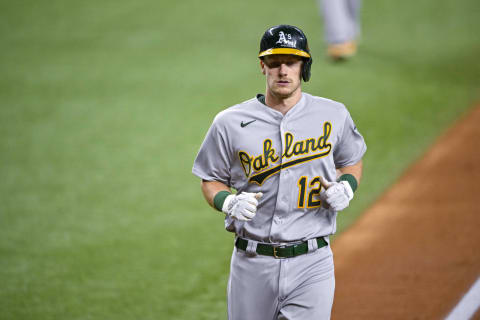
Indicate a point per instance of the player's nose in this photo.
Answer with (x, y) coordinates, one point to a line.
(283, 69)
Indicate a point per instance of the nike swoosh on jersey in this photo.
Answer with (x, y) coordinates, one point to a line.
(244, 124)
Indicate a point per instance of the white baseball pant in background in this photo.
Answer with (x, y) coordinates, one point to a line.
(341, 20)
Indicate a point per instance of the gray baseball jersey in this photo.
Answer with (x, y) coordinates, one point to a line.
(254, 148)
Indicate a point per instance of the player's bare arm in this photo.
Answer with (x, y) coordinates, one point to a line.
(211, 188)
(355, 170)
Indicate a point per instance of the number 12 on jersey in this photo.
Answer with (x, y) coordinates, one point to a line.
(313, 188)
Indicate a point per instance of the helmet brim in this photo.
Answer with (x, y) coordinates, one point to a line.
(292, 51)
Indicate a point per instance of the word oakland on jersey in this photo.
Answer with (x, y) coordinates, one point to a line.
(253, 148)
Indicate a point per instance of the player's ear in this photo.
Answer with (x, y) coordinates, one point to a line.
(262, 66)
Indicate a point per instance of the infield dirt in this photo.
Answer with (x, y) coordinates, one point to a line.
(415, 252)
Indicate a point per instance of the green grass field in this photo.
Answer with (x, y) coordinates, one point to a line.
(105, 103)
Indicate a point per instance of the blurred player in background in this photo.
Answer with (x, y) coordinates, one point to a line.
(342, 27)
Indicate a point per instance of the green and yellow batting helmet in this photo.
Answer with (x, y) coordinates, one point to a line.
(286, 39)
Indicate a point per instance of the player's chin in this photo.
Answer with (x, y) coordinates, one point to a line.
(283, 92)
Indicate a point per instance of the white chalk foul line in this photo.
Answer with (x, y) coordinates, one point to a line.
(469, 304)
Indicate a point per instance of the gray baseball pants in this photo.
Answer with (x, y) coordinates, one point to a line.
(341, 19)
(263, 287)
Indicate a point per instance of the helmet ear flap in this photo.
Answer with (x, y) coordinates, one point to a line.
(307, 65)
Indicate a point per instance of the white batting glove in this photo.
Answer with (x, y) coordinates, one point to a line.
(243, 206)
(337, 194)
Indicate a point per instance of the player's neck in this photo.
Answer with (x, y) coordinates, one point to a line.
(281, 104)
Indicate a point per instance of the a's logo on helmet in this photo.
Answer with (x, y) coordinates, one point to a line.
(286, 40)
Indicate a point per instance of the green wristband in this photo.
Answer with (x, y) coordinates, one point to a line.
(350, 179)
(219, 199)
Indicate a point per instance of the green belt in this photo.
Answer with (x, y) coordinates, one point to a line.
(280, 251)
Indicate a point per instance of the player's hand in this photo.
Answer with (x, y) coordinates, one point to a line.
(336, 194)
(243, 206)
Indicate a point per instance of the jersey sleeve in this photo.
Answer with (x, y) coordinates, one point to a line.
(213, 159)
(351, 146)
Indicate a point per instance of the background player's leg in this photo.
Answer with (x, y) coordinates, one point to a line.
(341, 27)
(337, 21)
(353, 7)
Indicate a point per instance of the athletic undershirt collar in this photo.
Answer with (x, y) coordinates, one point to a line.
(298, 107)
(261, 98)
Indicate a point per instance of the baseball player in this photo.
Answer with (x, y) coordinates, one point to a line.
(281, 152)
(342, 27)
